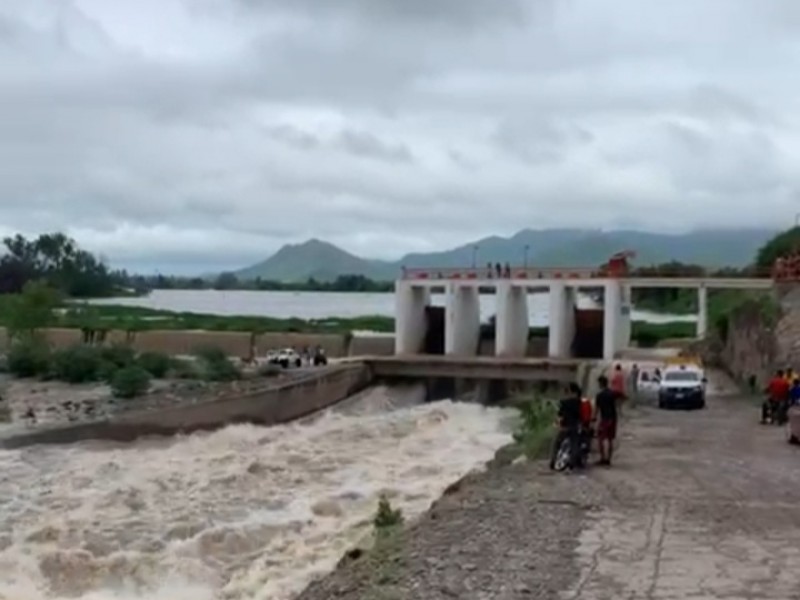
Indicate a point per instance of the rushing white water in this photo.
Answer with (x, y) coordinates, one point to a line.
(244, 512)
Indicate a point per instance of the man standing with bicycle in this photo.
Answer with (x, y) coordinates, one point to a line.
(569, 423)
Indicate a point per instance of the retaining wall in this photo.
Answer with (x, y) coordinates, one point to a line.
(280, 404)
(372, 346)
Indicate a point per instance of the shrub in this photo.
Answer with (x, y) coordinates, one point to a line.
(215, 365)
(386, 518)
(120, 355)
(223, 370)
(155, 363)
(647, 339)
(29, 357)
(106, 371)
(210, 354)
(184, 369)
(130, 382)
(534, 431)
(78, 364)
(269, 370)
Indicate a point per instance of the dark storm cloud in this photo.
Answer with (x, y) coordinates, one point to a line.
(207, 132)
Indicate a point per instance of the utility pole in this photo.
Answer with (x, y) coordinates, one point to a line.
(525, 256)
(475, 257)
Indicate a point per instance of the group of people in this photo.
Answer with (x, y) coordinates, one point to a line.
(499, 271)
(783, 392)
(580, 420)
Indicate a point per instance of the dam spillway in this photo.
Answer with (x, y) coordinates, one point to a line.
(242, 512)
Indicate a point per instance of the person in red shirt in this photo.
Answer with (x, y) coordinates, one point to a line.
(618, 386)
(777, 396)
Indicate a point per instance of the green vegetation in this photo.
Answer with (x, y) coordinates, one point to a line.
(781, 245)
(648, 335)
(155, 363)
(57, 261)
(387, 519)
(214, 365)
(130, 382)
(534, 432)
(31, 310)
(29, 357)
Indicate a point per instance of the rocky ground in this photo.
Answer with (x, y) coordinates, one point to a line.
(698, 505)
(33, 403)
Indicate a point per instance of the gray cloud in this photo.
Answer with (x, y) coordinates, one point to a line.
(203, 133)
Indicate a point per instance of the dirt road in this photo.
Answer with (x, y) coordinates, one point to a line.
(699, 505)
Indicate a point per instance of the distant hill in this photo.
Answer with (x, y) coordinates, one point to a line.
(712, 248)
(315, 259)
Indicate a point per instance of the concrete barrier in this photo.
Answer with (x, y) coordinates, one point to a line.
(279, 404)
(372, 346)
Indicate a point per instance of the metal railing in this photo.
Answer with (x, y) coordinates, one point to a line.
(591, 273)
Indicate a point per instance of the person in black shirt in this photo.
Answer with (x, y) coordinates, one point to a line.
(569, 420)
(605, 405)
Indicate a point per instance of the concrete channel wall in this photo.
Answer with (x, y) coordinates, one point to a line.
(279, 404)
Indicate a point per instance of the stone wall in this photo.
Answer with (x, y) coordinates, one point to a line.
(759, 338)
(279, 404)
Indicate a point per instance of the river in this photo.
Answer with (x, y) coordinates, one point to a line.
(319, 305)
(242, 513)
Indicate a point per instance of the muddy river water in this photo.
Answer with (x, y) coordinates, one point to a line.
(244, 512)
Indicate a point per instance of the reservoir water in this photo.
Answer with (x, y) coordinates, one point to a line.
(241, 513)
(317, 305)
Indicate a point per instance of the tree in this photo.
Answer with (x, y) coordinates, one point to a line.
(226, 281)
(781, 245)
(57, 260)
(32, 310)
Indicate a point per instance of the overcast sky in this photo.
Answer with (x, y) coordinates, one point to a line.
(195, 135)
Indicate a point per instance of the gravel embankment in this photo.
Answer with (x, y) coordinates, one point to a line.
(509, 533)
(698, 505)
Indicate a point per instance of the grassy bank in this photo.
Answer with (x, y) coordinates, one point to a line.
(132, 318)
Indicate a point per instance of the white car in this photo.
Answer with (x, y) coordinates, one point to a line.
(286, 358)
(682, 387)
(648, 382)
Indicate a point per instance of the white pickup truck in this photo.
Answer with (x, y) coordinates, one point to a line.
(682, 387)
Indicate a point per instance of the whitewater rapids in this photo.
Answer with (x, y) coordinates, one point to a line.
(242, 513)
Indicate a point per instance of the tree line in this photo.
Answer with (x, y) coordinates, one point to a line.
(229, 281)
(57, 261)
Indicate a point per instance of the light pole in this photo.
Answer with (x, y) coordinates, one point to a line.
(525, 256)
(475, 257)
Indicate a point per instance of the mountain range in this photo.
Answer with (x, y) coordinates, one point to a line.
(713, 248)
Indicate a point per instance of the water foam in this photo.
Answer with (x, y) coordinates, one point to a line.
(244, 512)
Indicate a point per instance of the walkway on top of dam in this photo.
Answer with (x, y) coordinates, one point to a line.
(699, 505)
(472, 367)
(578, 277)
